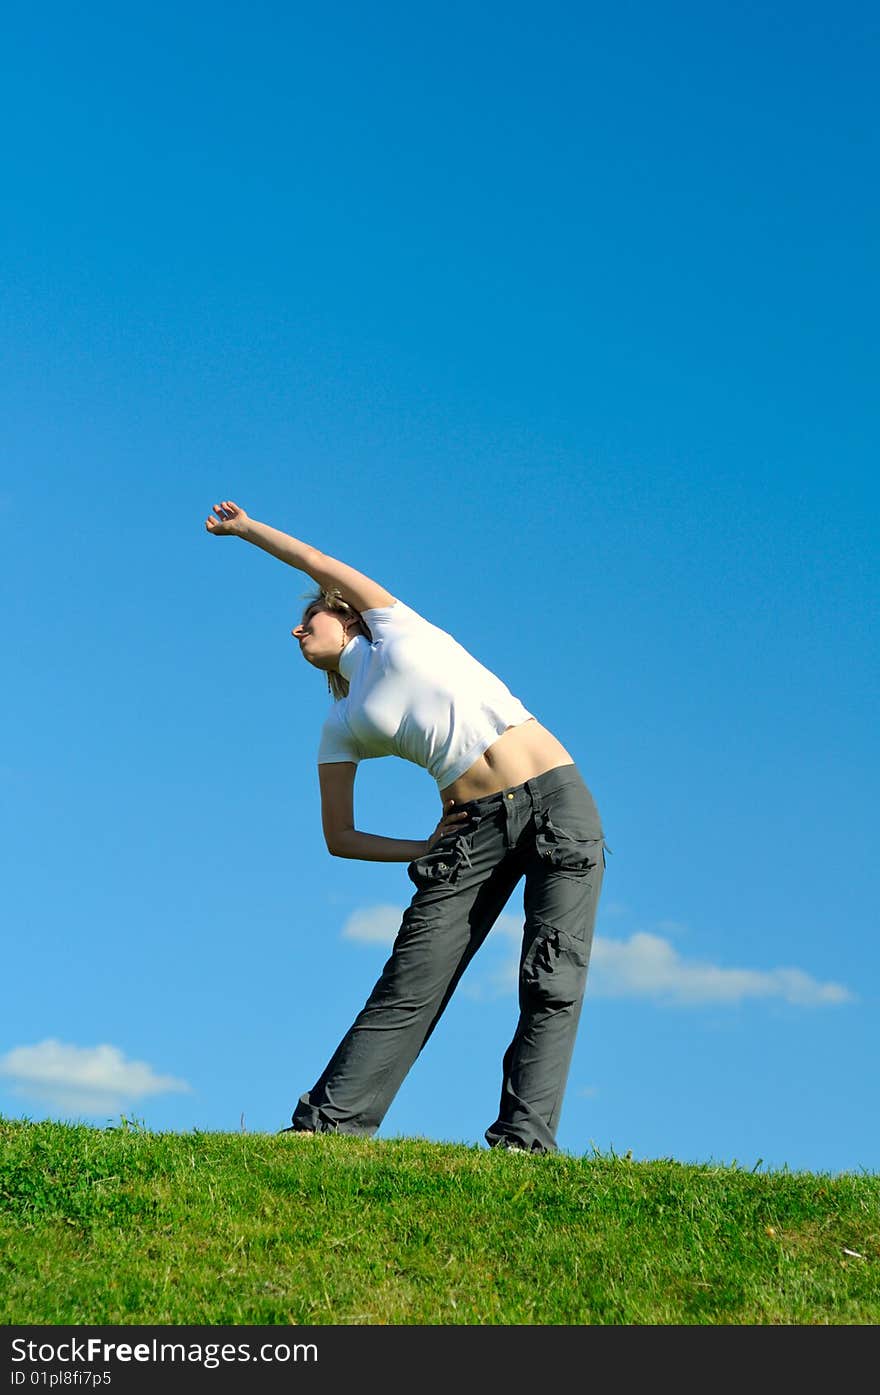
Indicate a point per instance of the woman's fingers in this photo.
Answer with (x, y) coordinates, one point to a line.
(448, 824)
(227, 510)
(215, 524)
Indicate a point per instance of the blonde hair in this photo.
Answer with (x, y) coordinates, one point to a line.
(333, 602)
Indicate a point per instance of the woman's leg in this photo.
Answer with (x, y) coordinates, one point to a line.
(564, 870)
(462, 887)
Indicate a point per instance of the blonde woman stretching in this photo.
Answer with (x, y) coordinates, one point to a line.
(514, 806)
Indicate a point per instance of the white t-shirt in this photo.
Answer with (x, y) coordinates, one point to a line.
(416, 692)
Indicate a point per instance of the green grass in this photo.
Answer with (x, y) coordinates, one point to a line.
(120, 1225)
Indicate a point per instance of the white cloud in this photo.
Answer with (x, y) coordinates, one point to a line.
(647, 966)
(644, 966)
(83, 1079)
(375, 925)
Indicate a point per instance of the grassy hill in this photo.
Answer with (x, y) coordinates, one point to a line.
(119, 1225)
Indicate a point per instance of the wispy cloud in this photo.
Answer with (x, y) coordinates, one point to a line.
(373, 925)
(648, 966)
(82, 1079)
(643, 966)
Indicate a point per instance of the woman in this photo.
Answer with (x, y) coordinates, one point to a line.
(514, 805)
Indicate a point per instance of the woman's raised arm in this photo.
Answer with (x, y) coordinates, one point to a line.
(230, 520)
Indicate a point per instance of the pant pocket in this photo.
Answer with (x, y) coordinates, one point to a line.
(435, 868)
(442, 865)
(554, 968)
(573, 847)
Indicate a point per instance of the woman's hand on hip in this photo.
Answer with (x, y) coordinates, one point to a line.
(451, 820)
(229, 519)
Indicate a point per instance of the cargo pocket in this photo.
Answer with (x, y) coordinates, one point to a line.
(554, 968)
(567, 848)
(442, 865)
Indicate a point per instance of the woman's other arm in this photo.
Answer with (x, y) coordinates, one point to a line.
(344, 840)
(230, 520)
(337, 819)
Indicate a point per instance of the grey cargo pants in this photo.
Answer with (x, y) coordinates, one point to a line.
(547, 830)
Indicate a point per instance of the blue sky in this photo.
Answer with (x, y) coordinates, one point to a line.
(557, 321)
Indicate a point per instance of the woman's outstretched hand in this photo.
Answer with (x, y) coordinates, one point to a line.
(451, 820)
(229, 519)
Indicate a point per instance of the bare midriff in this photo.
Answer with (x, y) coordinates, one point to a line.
(519, 754)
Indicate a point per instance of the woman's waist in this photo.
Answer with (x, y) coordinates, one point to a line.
(521, 753)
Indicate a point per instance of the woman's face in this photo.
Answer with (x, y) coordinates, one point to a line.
(321, 637)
